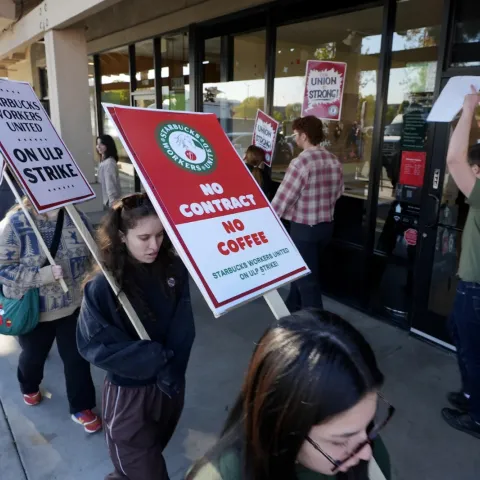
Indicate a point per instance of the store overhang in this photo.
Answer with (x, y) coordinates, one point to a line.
(8, 13)
(54, 14)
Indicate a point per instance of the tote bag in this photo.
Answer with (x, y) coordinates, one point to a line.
(18, 317)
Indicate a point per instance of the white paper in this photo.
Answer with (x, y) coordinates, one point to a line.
(450, 101)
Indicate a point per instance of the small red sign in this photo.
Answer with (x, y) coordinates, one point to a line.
(265, 135)
(411, 236)
(324, 85)
(412, 169)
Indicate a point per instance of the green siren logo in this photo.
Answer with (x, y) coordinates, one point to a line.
(186, 147)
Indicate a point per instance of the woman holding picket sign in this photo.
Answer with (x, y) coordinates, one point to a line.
(145, 384)
(43, 312)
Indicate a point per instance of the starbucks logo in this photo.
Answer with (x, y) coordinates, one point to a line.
(186, 147)
(333, 110)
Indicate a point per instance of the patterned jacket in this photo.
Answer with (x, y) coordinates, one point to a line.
(21, 260)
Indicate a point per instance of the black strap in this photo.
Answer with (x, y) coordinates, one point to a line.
(56, 236)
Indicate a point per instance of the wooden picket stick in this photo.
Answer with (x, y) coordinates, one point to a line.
(276, 304)
(34, 228)
(125, 302)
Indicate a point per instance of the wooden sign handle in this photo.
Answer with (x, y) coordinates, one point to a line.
(125, 302)
(276, 304)
(34, 228)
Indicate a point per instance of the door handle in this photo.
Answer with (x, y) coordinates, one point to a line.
(437, 209)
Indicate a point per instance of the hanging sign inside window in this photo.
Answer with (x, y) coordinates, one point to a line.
(414, 131)
(412, 169)
(35, 152)
(265, 135)
(218, 219)
(324, 86)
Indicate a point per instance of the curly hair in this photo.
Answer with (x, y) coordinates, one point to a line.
(312, 127)
(114, 254)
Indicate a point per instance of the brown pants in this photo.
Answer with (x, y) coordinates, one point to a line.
(139, 422)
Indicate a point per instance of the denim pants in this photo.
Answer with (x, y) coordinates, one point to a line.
(465, 332)
(310, 241)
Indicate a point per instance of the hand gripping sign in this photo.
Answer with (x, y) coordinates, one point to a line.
(324, 86)
(218, 219)
(265, 135)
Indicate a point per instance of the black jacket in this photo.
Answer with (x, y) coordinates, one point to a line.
(106, 338)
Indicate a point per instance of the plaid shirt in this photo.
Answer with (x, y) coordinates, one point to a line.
(312, 185)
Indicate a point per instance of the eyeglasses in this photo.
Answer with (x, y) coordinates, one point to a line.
(134, 201)
(372, 435)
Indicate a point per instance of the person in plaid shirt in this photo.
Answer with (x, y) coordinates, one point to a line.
(312, 185)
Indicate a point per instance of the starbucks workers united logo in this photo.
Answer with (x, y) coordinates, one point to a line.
(186, 147)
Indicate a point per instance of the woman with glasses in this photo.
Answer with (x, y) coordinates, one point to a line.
(309, 409)
(145, 383)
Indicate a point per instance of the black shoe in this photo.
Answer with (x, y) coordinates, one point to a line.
(459, 401)
(461, 421)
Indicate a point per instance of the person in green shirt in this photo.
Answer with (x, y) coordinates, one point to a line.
(464, 166)
(309, 409)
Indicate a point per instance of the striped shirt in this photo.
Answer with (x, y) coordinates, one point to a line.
(312, 185)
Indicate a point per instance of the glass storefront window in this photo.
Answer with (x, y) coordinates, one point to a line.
(404, 154)
(353, 38)
(234, 84)
(466, 37)
(144, 62)
(175, 72)
(144, 94)
(114, 68)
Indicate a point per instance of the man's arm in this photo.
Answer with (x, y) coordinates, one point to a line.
(457, 156)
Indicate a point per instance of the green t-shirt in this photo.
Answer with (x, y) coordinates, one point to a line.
(469, 270)
(229, 467)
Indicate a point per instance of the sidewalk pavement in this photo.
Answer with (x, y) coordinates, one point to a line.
(422, 446)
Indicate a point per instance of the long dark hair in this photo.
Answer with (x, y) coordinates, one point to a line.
(254, 157)
(307, 368)
(111, 148)
(124, 216)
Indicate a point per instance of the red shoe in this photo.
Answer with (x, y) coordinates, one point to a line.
(91, 422)
(32, 399)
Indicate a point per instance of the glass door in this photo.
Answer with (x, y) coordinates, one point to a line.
(443, 217)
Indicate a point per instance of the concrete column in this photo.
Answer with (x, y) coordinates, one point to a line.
(68, 92)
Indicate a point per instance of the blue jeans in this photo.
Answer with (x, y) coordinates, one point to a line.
(465, 332)
(310, 242)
